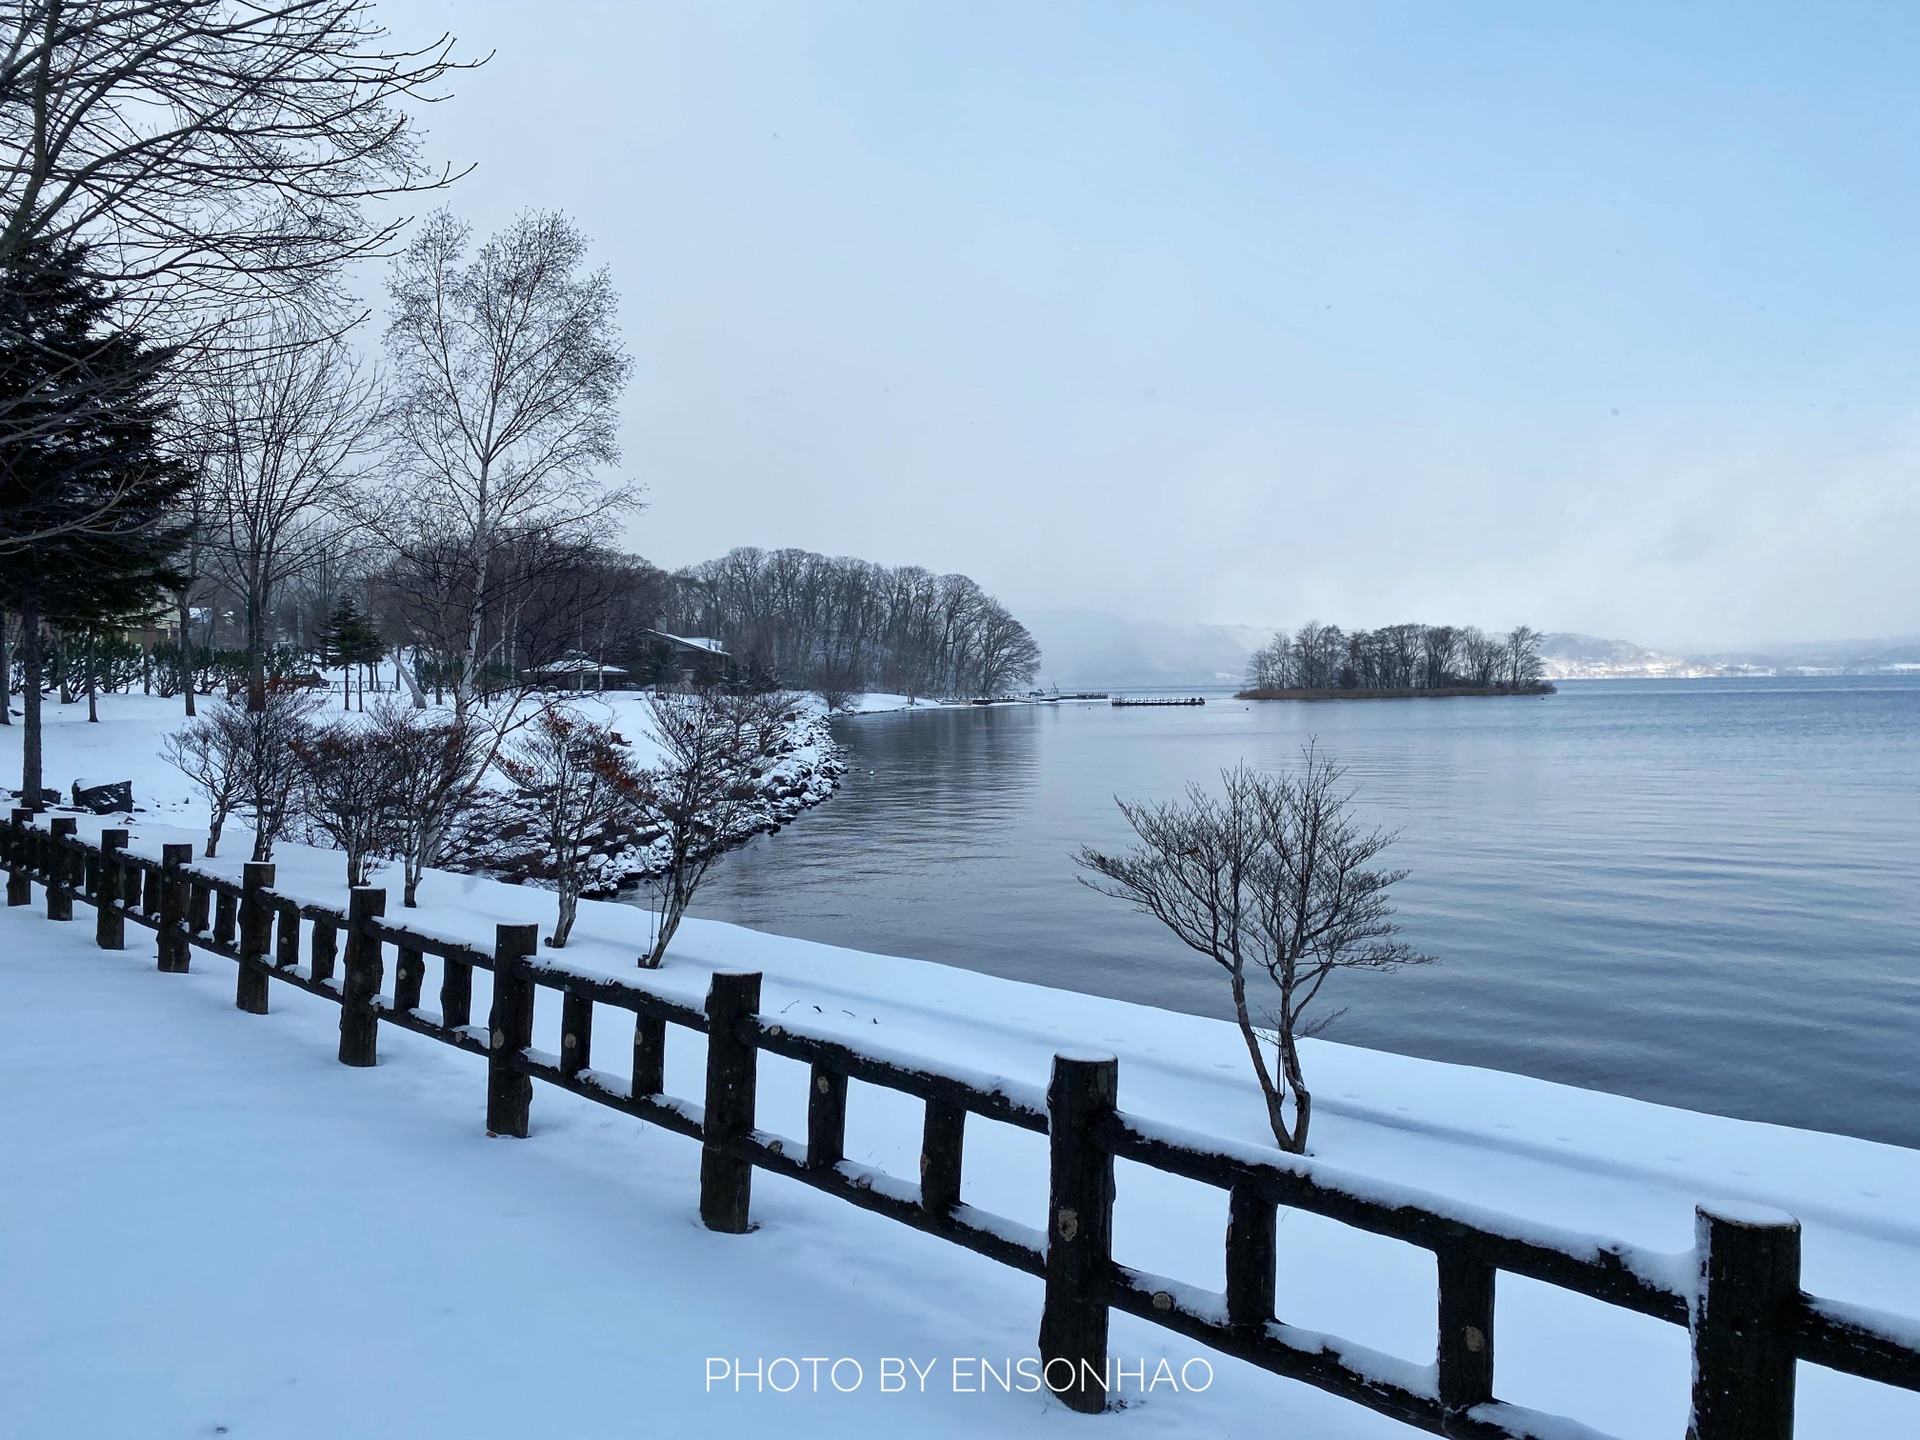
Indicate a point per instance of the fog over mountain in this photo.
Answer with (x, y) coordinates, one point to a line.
(1084, 649)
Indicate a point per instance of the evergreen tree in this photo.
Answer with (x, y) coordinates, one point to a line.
(88, 495)
(351, 640)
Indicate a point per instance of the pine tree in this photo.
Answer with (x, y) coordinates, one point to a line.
(352, 639)
(88, 495)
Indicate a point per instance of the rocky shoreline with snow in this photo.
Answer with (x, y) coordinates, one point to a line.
(500, 839)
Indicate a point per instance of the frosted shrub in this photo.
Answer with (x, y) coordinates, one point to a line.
(581, 781)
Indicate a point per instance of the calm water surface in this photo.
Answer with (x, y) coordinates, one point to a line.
(1699, 892)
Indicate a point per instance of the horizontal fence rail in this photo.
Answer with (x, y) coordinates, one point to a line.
(1737, 1292)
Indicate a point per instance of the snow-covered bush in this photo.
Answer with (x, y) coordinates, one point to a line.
(703, 796)
(437, 767)
(348, 777)
(581, 781)
(246, 760)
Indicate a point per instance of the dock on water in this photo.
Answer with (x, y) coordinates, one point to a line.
(1159, 700)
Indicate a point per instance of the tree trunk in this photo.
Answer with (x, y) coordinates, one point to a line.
(403, 674)
(569, 908)
(31, 786)
(1296, 1139)
(6, 675)
(256, 654)
(93, 704)
(185, 614)
(1271, 1094)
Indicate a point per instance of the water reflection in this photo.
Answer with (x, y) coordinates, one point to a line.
(1696, 892)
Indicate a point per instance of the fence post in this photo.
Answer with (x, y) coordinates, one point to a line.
(150, 895)
(223, 917)
(827, 1119)
(61, 867)
(726, 1182)
(20, 859)
(323, 950)
(576, 1034)
(1743, 1323)
(1465, 1354)
(409, 975)
(286, 935)
(456, 993)
(1073, 1326)
(510, 1031)
(649, 1055)
(1250, 1258)
(942, 1143)
(256, 938)
(360, 985)
(175, 951)
(109, 893)
(199, 905)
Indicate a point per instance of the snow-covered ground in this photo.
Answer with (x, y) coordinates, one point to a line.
(208, 1226)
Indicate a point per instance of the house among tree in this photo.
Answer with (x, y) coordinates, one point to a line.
(687, 658)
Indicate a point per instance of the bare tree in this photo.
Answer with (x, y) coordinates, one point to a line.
(210, 152)
(207, 751)
(581, 781)
(286, 424)
(1521, 660)
(1272, 877)
(348, 775)
(437, 767)
(269, 763)
(701, 793)
(508, 371)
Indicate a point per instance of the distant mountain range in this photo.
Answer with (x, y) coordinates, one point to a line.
(1570, 656)
(1085, 650)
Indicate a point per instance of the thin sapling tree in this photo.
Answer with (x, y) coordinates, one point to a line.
(1275, 879)
(207, 751)
(271, 774)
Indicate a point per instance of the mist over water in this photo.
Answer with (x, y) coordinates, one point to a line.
(1703, 893)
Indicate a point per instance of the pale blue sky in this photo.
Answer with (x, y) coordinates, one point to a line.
(1602, 318)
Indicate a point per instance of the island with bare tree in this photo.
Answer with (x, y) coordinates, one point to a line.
(1324, 662)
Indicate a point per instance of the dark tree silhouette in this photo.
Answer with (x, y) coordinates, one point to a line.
(89, 523)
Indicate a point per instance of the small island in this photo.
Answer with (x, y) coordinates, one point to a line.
(1395, 662)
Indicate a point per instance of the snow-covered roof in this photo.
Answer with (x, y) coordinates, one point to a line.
(574, 663)
(692, 642)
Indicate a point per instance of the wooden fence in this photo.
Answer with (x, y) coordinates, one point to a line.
(1738, 1294)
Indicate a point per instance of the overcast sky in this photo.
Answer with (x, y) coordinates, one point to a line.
(1604, 318)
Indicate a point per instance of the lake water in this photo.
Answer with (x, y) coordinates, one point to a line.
(1704, 893)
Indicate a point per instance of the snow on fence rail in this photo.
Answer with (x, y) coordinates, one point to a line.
(1738, 1291)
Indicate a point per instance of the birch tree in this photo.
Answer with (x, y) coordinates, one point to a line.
(507, 370)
